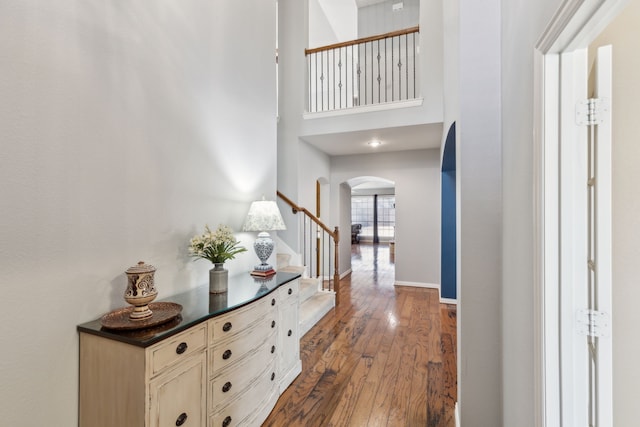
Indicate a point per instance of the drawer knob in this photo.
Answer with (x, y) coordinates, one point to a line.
(181, 348)
(273, 323)
(273, 348)
(181, 419)
(289, 333)
(290, 291)
(273, 301)
(273, 376)
(226, 354)
(226, 387)
(226, 422)
(227, 327)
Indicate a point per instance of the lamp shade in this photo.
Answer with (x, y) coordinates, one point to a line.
(264, 215)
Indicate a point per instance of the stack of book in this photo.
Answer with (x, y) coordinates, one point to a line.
(263, 273)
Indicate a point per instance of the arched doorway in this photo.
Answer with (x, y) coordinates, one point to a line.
(448, 260)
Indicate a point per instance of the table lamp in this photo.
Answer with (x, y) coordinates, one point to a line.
(263, 216)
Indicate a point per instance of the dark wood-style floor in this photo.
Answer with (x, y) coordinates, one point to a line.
(386, 356)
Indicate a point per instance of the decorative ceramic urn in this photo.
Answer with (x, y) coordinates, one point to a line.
(141, 290)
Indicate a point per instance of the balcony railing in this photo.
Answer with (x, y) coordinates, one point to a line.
(367, 71)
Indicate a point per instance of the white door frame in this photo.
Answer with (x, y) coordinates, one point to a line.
(573, 27)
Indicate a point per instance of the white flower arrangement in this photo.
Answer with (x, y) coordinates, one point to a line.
(216, 246)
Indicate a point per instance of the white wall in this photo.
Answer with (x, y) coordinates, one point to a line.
(332, 21)
(313, 165)
(292, 40)
(125, 127)
(345, 228)
(623, 33)
(417, 187)
(380, 17)
(495, 129)
(479, 173)
(450, 63)
(522, 24)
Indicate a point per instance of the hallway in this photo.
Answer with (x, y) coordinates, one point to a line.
(386, 356)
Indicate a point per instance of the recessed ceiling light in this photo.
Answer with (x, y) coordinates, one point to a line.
(374, 143)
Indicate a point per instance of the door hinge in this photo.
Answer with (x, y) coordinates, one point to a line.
(593, 323)
(593, 111)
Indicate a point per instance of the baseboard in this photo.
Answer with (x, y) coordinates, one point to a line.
(288, 377)
(419, 285)
(428, 286)
(342, 276)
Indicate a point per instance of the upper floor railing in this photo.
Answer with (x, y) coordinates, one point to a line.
(367, 71)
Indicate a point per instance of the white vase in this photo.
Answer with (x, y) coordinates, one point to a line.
(218, 278)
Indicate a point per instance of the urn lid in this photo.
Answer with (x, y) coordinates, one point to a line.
(141, 268)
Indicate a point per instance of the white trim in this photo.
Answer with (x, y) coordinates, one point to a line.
(574, 25)
(428, 286)
(604, 234)
(345, 274)
(573, 250)
(418, 285)
(364, 109)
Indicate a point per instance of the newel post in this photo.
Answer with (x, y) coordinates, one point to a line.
(336, 274)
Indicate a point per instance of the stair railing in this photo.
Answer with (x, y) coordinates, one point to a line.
(317, 241)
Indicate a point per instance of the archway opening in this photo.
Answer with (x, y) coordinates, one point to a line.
(448, 250)
(373, 224)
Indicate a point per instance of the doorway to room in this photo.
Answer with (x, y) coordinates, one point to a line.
(373, 222)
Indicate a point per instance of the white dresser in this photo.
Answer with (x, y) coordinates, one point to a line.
(223, 364)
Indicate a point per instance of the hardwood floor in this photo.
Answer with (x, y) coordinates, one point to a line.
(386, 356)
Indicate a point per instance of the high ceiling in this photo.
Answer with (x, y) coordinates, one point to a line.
(403, 138)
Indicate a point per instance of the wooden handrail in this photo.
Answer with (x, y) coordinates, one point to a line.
(335, 234)
(363, 40)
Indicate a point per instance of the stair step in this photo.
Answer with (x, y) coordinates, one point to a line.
(308, 288)
(293, 269)
(282, 260)
(314, 309)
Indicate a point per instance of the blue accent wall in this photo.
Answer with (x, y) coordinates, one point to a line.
(448, 250)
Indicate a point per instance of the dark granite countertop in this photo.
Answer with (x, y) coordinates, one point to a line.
(198, 305)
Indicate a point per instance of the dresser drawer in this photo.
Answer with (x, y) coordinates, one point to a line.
(227, 384)
(242, 409)
(177, 348)
(289, 290)
(231, 324)
(288, 293)
(222, 355)
(178, 397)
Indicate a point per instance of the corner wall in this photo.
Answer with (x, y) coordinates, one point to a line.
(523, 22)
(479, 171)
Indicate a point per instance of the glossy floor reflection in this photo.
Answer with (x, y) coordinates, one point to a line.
(386, 356)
